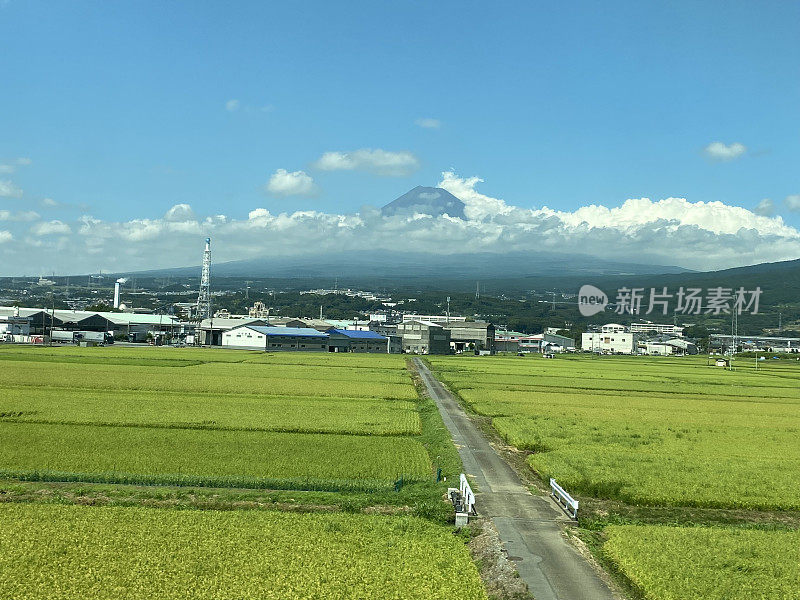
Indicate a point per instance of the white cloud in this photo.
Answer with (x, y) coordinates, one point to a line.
(477, 206)
(50, 228)
(232, 105)
(9, 190)
(429, 123)
(296, 183)
(380, 162)
(27, 215)
(765, 208)
(179, 213)
(5, 236)
(792, 202)
(700, 235)
(49, 203)
(10, 168)
(720, 151)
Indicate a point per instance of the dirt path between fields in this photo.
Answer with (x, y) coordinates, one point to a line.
(531, 527)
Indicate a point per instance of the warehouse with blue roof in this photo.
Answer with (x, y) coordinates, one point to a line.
(275, 339)
(352, 340)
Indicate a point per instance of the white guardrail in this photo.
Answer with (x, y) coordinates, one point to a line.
(466, 493)
(565, 501)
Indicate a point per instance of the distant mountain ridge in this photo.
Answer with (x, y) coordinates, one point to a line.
(384, 263)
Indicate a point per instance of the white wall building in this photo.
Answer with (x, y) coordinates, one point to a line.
(650, 327)
(275, 339)
(611, 339)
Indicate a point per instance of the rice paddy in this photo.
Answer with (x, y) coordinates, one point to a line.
(344, 432)
(645, 431)
(103, 553)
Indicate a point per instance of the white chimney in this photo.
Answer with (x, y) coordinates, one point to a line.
(119, 282)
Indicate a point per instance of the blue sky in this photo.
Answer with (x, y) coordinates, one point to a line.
(124, 110)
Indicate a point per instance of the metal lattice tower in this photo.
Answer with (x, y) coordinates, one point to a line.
(204, 298)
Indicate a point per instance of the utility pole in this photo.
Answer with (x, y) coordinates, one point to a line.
(448, 310)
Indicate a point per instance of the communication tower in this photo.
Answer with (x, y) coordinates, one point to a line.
(204, 298)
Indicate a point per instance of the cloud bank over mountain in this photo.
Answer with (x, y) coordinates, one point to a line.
(676, 231)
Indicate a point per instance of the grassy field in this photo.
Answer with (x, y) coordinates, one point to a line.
(258, 379)
(646, 431)
(99, 553)
(672, 563)
(274, 448)
(305, 414)
(207, 457)
(240, 419)
(666, 442)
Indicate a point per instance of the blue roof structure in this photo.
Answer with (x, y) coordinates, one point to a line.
(287, 331)
(357, 335)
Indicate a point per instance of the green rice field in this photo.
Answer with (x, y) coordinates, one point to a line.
(712, 563)
(103, 553)
(691, 472)
(306, 414)
(642, 430)
(245, 436)
(239, 419)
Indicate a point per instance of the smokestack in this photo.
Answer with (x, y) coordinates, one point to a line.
(116, 291)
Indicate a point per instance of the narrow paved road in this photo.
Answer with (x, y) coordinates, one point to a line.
(530, 526)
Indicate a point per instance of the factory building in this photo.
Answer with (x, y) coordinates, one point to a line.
(275, 339)
(353, 340)
(424, 337)
(507, 341)
(514, 341)
(40, 321)
(648, 327)
(318, 324)
(547, 342)
(668, 347)
(470, 335)
(611, 339)
(434, 318)
(43, 322)
(747, 343)
(13, 327)
(211, 331)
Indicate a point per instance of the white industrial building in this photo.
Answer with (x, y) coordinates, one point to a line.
(648, 327)
(424, 337)
(611, 339)
(671, 347)
(14, 326)
(275, 339)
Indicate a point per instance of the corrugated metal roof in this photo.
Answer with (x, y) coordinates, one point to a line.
(358, 335)
(225, 323)
(76, 316)
(133, 318)
(287, 331)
